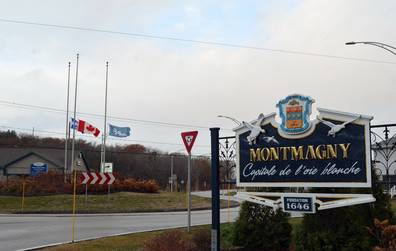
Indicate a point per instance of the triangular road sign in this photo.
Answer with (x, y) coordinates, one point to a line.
(189, 139)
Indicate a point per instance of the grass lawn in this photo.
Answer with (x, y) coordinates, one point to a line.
(118, 201)
(119, 243)
(137, 241)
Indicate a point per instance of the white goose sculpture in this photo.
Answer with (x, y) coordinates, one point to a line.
(255, 129)
(335, 128)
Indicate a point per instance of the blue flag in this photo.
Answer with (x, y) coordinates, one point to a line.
(72, 123)
(119, 131)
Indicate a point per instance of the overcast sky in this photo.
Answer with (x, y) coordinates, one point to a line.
(174, 66)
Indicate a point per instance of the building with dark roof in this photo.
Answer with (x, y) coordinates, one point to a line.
(23, 161)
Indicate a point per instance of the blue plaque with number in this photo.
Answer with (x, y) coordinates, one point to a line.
(301, 204)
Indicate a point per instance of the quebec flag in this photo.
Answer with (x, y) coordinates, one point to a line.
(74, 122)
(119, 131)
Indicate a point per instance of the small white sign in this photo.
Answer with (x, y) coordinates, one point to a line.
(108, 168)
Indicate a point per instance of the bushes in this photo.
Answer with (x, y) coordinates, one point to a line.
(178, 240)
(169, 241)
(263, 228)
(54, 183)
(202, 239)
(333, 229)
(14, 188)
(134, 185)
(385, 235)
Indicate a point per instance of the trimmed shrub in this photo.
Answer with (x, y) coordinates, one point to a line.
(142, 186)
(151, 186)
(14, 188)
(52, 183)
(67, 188)
(169, 241)
(262, 228)
(202, 240)
(2, 187)
(116, 186)
(129, 185)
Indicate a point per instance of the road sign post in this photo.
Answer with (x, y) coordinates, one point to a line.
(215, 237)
(97, 178)
(189, 139)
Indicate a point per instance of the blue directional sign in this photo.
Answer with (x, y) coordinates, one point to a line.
(37, 168)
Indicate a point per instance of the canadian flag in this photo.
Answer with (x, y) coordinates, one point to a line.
(85, 127)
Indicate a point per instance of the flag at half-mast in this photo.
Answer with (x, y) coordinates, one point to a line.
(85, 127)
(73, 122)
(120, 132)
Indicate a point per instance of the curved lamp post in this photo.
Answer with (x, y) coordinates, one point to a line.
(385, 152)
(387, 47)
(236, 121)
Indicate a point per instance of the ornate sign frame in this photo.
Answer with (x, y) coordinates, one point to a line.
(331, 151)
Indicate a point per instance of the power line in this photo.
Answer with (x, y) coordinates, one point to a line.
(47, 109)
(149, 153)
(88, 137)
(191, 41)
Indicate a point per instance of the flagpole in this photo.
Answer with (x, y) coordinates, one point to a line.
(67, 120)
(74, 122)
(105, 124)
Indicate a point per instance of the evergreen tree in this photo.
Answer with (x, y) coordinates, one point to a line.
(333, 229)
(344, 228)
(262, 228)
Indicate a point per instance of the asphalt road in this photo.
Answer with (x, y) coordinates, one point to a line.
(24, 232)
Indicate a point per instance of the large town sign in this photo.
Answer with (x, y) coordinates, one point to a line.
(333, 150)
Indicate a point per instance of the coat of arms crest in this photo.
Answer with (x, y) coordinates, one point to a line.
(294, 111)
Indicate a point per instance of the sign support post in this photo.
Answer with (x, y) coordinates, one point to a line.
(215, 246)
(189, 139)
(74, 202)
(108, 196)
(189, 191)
(86, 194)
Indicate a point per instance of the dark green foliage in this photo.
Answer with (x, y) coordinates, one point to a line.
(262, 228)
(344, 228)
(381, 209)
(333, 229)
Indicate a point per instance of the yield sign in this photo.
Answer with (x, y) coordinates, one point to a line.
(189, 139)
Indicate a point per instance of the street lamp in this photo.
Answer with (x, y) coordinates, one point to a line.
(392, 50)
(236, 121)
(387, 47)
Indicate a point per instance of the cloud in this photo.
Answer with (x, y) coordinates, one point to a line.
(168, 80)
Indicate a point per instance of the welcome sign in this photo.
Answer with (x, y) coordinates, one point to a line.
(332, 150)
